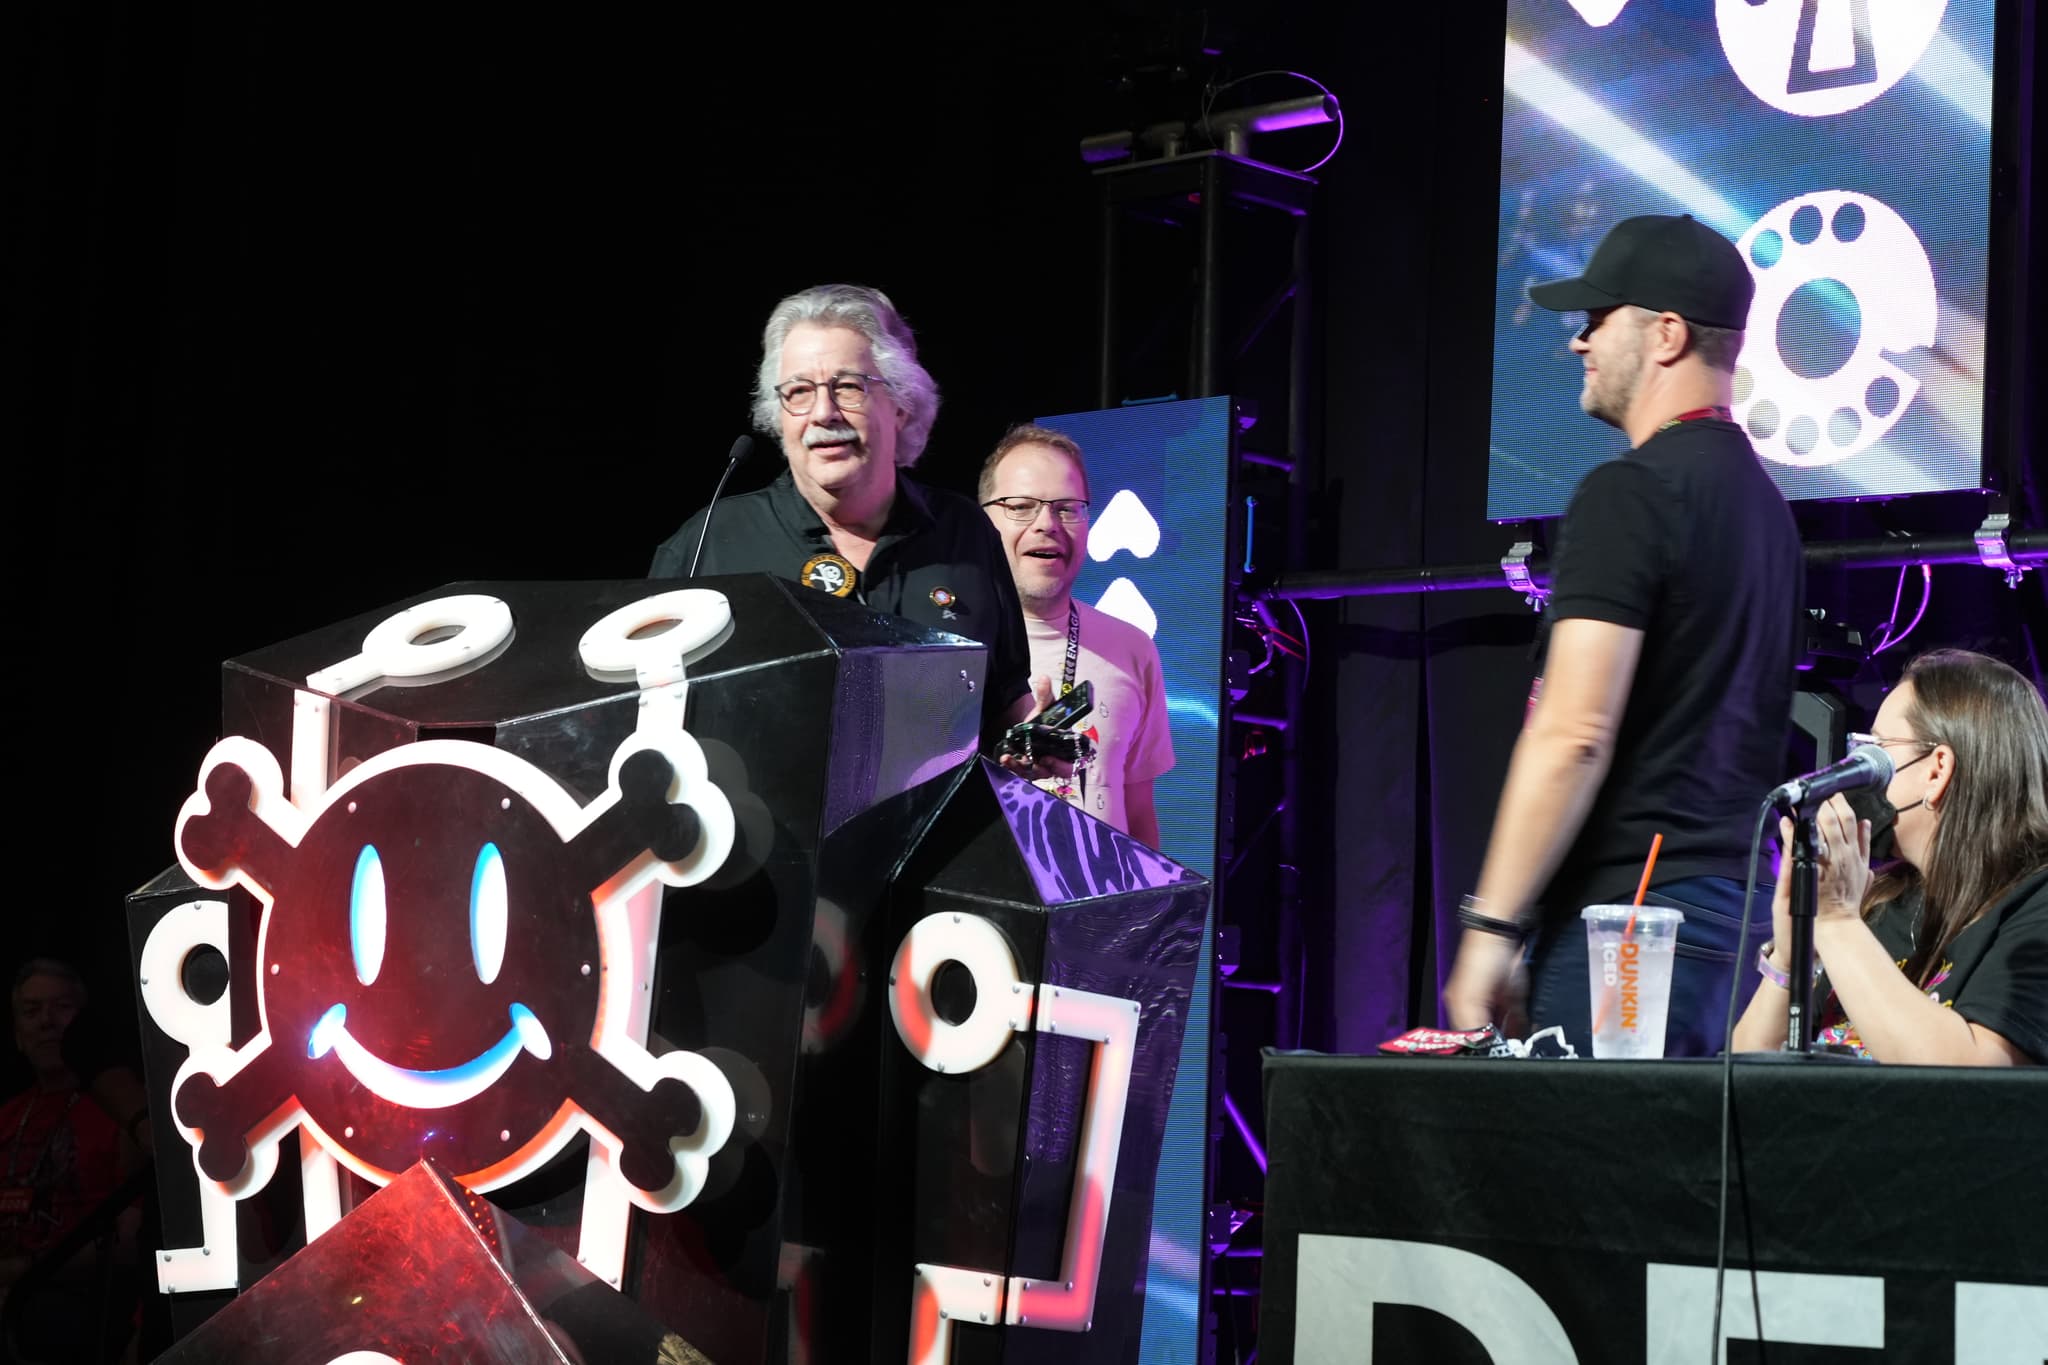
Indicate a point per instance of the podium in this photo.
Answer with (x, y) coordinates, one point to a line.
(592, 894)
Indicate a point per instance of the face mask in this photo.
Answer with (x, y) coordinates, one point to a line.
(1873, 805)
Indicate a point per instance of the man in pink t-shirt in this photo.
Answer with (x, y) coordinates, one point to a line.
(1034, 487)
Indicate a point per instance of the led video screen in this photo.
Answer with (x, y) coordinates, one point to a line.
(1843, 145)
(1159, 484)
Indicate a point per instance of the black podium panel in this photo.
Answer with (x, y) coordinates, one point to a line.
(773, 978)
(991, 1161)
(1449, 1211)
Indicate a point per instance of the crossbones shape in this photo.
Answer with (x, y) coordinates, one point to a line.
(436, 976)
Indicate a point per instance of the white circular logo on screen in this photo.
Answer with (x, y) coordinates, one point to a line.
(1840, 280)
(1819, 57)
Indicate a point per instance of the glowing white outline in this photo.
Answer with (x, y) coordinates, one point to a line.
(489, 913)
(1067, 1302)
(691, 785)
(438, 1089)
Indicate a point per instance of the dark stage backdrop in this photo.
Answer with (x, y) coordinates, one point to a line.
(312, 311)
(315, 311)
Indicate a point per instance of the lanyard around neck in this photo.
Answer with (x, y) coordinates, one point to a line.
(1073, 648)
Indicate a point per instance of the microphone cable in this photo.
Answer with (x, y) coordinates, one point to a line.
(1756, 843)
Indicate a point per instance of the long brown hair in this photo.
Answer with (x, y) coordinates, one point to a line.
(1993, 829)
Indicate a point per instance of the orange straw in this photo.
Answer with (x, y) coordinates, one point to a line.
(1643, 886)
(1628, 931)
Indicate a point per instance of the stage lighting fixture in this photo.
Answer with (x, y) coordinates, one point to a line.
(1227, 129)
(1235, 126)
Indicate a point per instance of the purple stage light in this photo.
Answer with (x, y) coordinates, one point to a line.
(1244, 1130)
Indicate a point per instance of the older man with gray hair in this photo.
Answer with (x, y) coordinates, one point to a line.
(841, 388)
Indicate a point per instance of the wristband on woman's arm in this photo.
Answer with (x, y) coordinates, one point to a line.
(1768, 969)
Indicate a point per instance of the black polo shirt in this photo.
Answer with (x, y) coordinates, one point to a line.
(938, 563)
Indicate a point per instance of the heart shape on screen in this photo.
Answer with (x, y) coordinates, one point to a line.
(1599, 13)
(1122, 600)
(1124, 525)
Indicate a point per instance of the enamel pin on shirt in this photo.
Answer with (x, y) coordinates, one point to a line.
(830, 573)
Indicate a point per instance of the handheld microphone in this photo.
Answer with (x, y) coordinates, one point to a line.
(1866, 765)
(741, 448)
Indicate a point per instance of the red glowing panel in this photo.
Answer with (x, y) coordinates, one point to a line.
(413, 1274)
(434, 968)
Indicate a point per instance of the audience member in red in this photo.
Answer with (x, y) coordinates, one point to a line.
(63, 1153)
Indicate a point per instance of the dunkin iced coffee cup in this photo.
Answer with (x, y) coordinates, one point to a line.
(1629, 971)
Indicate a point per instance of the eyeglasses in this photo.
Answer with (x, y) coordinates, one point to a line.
(1070, 511)
(849, 393)
(1857, 740)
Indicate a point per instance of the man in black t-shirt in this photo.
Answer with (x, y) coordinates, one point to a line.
(1671, 637)
(840, 386)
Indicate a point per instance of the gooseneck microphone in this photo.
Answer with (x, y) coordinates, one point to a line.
(1866, 765)
(741, 448)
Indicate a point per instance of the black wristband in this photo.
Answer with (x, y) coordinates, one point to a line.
(1471, 916)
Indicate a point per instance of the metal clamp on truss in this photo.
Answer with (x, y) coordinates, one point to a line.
(1993, 550)
(1515, 565)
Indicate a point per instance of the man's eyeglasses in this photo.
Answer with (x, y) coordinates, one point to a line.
(1070, 511)
(849, 393)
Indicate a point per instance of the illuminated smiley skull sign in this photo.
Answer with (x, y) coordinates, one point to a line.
(440, 967)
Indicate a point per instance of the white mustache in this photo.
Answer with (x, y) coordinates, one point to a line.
(841, 434)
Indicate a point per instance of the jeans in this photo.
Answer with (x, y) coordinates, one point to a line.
(1701, 974)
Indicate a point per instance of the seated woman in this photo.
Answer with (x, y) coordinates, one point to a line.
(1942, 957)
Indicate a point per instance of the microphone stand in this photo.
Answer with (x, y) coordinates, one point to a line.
(1799, 1044)
(1805, 897)
(741, 448)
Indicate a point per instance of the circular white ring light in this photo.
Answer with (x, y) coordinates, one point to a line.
(481, 624)
(980, 947)
(699, 613)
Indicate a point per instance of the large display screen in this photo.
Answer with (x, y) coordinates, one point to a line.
(1843, 145)
(1159, 484)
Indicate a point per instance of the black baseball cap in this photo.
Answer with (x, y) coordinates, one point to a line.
(1667, 265)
